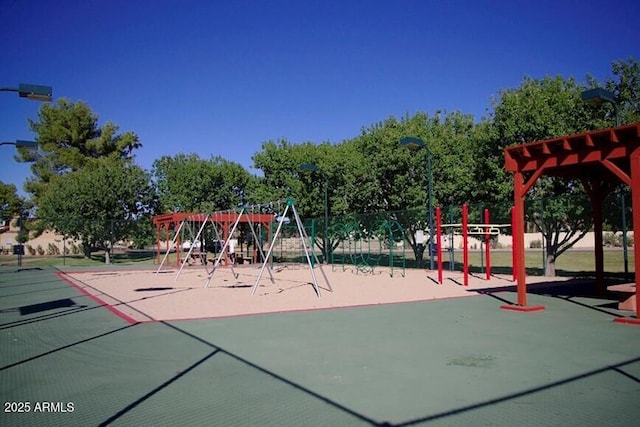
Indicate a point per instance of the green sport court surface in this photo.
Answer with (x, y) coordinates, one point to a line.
(454, 362)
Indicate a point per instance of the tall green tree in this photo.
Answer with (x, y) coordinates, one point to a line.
(10, 203)
(384, 176)
(283, 177)
(373, 172)
(69, 137)
(187, 183)
(98, 204)
(625, 86)
(537, 110)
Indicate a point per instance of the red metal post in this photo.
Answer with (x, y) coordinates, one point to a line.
(487, 243)
(439, 241)
(465, 244)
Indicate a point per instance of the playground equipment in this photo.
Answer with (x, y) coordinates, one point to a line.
(304, 238)
(465, 229)
(223, 224)
(223, 251)
(366, 249)
(288, 249)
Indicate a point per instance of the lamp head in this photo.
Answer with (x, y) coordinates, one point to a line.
(35, 92)
(412, 142)
(26, 144)
(598, 96)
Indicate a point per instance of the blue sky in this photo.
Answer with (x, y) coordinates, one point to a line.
(222, 77)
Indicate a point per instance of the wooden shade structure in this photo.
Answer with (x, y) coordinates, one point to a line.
(600, 159)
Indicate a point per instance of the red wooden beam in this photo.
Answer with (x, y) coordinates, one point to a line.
(635, 208)
(589, 141)
(617, 171)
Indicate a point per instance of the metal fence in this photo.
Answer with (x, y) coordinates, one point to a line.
(396, 239)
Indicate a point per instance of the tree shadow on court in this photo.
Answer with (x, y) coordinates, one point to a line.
(215, 350)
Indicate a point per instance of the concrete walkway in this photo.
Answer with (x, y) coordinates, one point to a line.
(456, 362)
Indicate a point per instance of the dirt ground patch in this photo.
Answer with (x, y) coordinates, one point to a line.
(149, 295)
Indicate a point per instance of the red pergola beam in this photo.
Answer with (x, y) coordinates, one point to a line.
(222, 217)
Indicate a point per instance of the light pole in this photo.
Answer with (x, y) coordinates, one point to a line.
(33, 92)
(416, 144)
(599, 96)
(312, 167)
(20, 248)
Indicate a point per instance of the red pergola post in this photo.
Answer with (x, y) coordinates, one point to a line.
(635, 208)
(514, 251)
(518, 247)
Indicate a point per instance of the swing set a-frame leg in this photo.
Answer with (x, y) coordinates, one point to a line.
(303, 237)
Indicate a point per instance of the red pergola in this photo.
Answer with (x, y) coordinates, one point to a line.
(600, 159)
(225, 219)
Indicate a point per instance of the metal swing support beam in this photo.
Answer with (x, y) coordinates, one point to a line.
(303, 237)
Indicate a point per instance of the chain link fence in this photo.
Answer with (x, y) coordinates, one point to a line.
(394, 239)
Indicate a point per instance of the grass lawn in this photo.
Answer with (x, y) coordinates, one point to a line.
(96, 260)
(571, 263)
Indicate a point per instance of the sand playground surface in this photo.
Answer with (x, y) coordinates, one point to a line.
(151, 295)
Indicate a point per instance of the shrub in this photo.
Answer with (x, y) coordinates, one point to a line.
(40, 250)
(52, 249)
(31, 250)
(535, 244)
(611, 239)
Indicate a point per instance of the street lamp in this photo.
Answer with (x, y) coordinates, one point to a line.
(21, 144)
(33, 92)
(312, 167)
(599, 96)
(416, 144)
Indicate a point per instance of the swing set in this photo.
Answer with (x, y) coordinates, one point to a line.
(189, 230)
(190, 227)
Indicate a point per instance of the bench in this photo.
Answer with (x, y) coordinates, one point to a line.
(626, 293)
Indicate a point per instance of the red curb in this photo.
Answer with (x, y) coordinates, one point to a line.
(130, 320)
